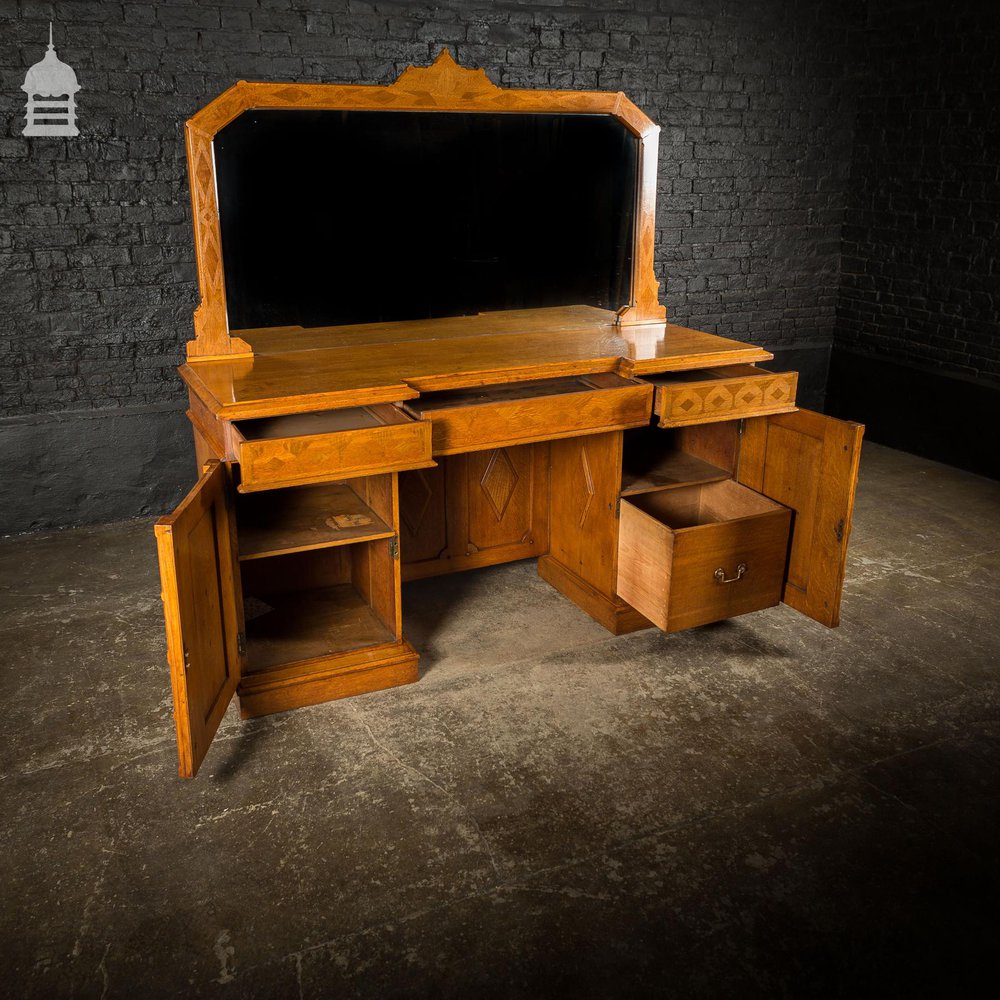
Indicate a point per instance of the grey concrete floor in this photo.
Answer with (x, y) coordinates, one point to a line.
(758, 808)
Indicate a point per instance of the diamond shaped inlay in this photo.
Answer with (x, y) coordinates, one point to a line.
(499, 481)
(686, 405)
(588, 484)
(414, 499)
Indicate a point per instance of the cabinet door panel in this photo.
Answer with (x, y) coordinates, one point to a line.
(199, 576)
(808, 462)
(502, 497)
(423, 524)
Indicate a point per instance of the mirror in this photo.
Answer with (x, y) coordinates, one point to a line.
(345, 217)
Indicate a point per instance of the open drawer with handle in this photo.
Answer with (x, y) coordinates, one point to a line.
(301, 448)
(730, 392)
(701, 553)
(496, 416)
(719, 521)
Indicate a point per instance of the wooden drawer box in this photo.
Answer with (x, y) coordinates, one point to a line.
(699, 554)
(303, 448)
(728, 393)
(494, 416)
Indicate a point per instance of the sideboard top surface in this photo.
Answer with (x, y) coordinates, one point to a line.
(294, 371)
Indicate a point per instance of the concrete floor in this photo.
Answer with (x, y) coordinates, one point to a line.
(758, 808)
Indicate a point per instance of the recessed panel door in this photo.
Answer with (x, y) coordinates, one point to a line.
(199, 576)
(809, 462)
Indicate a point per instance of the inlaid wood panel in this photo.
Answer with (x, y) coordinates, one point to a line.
(475, 510)
(211, 328)
(308, 448)
(727, 393)
(504, 497)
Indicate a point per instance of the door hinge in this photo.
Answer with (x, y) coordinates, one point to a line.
(394, 548)
(741, 427)
(241, 643)
(839, 530)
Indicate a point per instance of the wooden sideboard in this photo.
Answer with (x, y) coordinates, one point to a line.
(659, 475)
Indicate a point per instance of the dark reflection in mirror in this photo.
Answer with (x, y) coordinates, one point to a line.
(337, 217)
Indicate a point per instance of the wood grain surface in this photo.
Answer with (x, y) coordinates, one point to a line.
(673, 543)
(203, 607)
(395, 370)
(809, 462)
(730, 392)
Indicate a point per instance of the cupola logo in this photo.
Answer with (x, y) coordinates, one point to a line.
(51, 86)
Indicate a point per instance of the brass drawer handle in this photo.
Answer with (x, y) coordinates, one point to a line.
(720, 574)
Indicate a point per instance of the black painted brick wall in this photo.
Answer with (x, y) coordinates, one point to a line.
(921, 254)
(96, 257)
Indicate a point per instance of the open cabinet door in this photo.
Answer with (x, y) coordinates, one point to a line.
(808, 462)
(199, 576)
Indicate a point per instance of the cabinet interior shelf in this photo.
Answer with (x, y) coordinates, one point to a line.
(306, 625)
(669, 470)
(279, 522)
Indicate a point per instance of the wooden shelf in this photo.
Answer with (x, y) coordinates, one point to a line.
(308, 625)
(668, 470)
(277, 522)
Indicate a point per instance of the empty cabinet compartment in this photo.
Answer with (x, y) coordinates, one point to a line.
(699, 554)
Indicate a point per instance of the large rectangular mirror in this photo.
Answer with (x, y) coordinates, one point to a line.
(342, 217)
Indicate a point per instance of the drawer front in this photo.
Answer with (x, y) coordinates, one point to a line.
(729, 393)
(317, 458)
(673, 577)
(543, 418)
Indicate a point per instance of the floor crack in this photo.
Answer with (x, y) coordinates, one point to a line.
(444, 791)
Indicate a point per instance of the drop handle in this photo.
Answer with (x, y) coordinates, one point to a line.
(720, 574)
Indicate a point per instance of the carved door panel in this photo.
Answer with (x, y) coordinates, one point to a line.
(808, 462)
(586, 477)
(475, 509)
(423, 526)
(202, 606)
(506, 497)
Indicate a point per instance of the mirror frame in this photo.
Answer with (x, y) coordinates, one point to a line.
(442, 86)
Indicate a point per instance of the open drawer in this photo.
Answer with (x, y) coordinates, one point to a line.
(495, 416)
(301, 448)
(727, 393)
(701, 553)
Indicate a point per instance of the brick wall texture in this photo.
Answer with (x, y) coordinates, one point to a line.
(758, 103)
(920, 271)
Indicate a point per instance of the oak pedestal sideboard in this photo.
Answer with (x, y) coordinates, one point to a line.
(658, 474)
